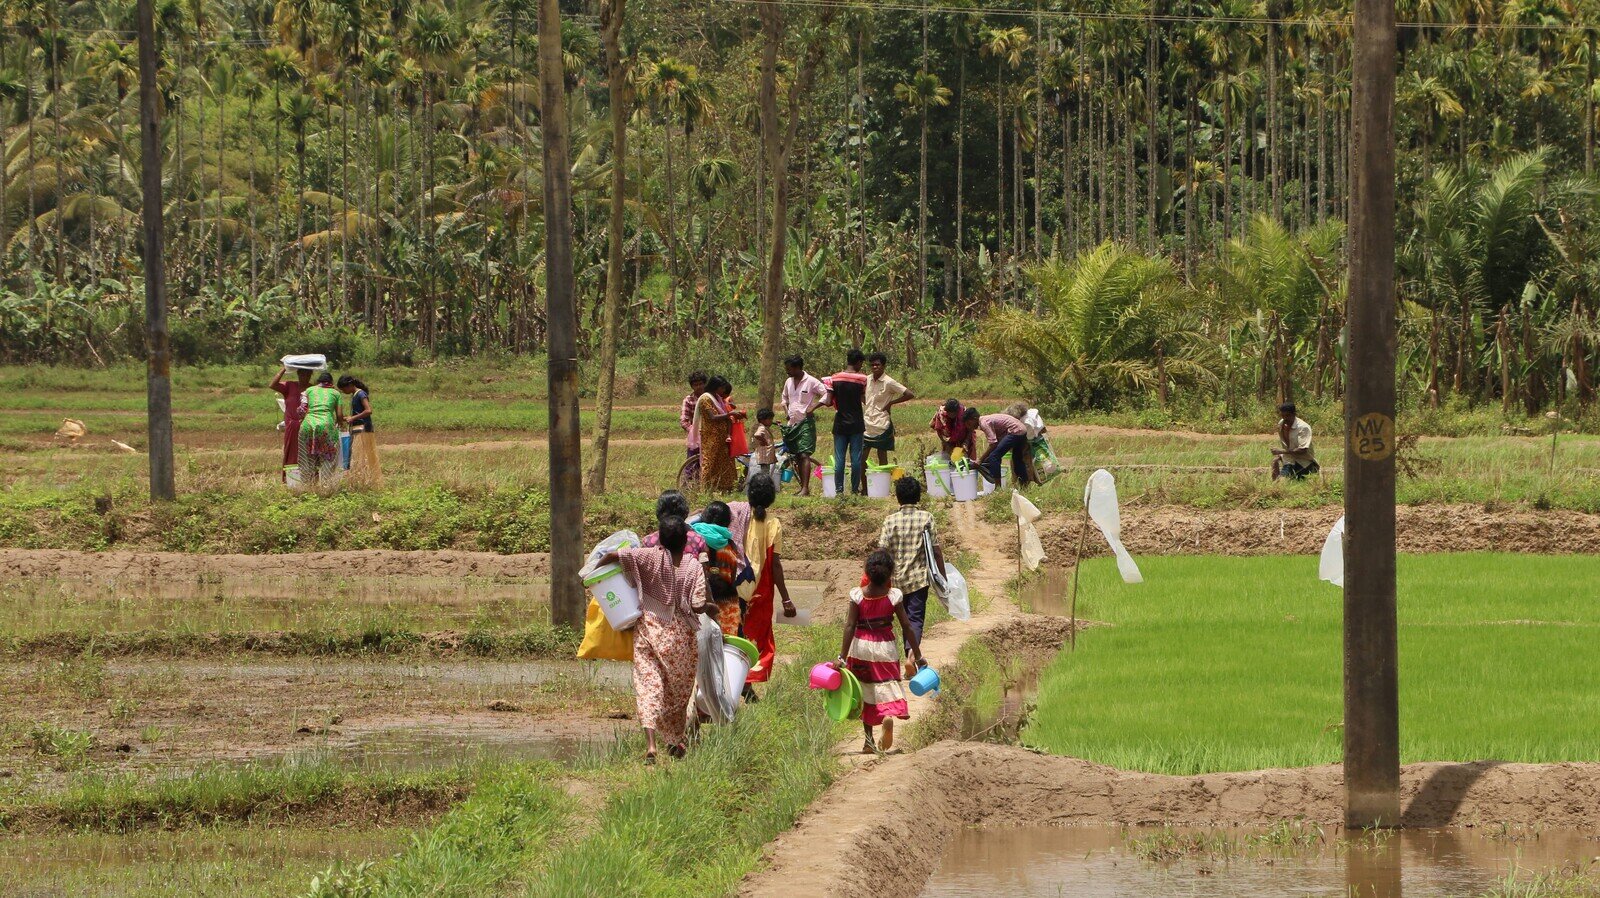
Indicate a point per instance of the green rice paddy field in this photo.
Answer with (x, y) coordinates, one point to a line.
(1220, 664)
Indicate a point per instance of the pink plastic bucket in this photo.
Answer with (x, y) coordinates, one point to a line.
(823, 676)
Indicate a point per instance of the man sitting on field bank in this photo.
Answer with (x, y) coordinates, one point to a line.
(1293, 458)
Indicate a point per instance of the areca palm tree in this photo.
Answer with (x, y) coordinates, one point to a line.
(679, 96)
(922, 92)
(1007, 47)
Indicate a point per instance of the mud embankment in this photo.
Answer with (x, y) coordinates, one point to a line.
(893, 819)
(1178, 530)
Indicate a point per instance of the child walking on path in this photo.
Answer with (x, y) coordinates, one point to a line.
(870, 651)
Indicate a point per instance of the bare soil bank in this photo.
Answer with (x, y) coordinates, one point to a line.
(1177, 530)
(893, 818)
(103, 566)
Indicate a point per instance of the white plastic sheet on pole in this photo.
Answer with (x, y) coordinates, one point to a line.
(1331, 566)
(1032, 548)
(1100, 497)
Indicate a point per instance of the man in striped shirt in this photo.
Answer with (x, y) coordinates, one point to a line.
(902, 535)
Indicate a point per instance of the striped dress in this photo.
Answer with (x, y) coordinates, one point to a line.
(875, 657)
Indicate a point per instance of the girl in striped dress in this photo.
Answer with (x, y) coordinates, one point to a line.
(871, 653)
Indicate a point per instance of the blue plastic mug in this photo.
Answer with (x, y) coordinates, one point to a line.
(926, 681)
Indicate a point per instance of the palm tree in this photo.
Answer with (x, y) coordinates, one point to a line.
(279, 65)
(677, 94)
(923, 91)
(1114, 321)
(1007, 47)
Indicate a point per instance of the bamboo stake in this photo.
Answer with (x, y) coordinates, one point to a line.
(1077, 565)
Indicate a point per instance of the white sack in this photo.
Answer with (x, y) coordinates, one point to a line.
(710, 697)
(622, 539)
(1034, 422)
(1331, 566)
(309, 362)
(954, 595)
(1100, 497)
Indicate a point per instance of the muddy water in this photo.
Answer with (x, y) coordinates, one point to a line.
(1047, 592)
(224, 604)
(1003, 721)
(1089, 862)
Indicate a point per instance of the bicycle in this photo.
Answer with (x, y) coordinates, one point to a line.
(689, 480)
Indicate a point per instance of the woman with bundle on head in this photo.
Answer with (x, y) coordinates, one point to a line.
(364, 468)
(672, 590)
(319, 436)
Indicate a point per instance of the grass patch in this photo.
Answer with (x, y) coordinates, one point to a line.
(539, 642)
(253, 793)
(1234, 664)
(1579, 883)
(690, 827)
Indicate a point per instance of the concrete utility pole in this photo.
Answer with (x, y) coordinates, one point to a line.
(566, 464)
(158, 344)
(1371, 680)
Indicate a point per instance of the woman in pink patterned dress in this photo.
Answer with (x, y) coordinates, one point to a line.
(672, 588)
(871, 653)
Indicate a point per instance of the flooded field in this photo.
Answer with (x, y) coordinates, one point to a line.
(1048, 591)
(1095, 861)
(226, 862)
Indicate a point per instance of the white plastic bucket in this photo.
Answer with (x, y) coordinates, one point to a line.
(292, 478)
(879, 484)
(964, 487)
(829, 489)
(618, 599)
(735, 669)
(937, 477)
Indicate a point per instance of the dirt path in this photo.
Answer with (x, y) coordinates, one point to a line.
(804, 861)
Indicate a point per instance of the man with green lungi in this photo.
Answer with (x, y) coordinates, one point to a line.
(883, 394)
(802, 393)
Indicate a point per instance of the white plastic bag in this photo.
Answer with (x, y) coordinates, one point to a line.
(1034, 422)
(1032, 548)
(1100, 497)
(1024, 510)
(934, 573)
(954, 597)
(1331, 566)
(309, 362)
(710, 695)
(622, 539)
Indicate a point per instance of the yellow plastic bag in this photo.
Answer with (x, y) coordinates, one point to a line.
(600, 641)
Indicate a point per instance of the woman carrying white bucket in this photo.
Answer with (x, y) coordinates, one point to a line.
(672, 587)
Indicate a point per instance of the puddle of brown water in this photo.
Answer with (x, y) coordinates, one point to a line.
(1049, 591)
(253, 603)
(1096, 861)
(1003, 721)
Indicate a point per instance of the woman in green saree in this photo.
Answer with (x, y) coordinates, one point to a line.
(319, 436)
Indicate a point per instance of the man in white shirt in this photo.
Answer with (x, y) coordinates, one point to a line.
(802, 393)
(883, 394)
(1293, 458)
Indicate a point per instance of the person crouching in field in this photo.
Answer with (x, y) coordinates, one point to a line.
(672, 587)
(1293, 458)
(870, 653)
